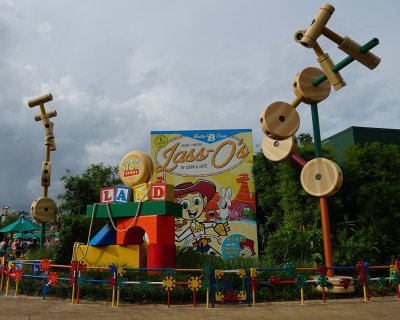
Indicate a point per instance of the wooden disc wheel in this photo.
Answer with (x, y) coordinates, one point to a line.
(279, 120)
(44, 210)
(135, 168)
(302, 86)
(278, 150)
(321, 177)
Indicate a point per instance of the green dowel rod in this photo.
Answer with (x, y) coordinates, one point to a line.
(346, 61)
(316, 130)
(369, 45)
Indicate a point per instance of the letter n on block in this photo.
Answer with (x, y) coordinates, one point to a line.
(122, 194)
(107, 195)
(140, 192)
(161, 191)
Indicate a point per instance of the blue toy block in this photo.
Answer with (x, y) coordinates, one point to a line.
(105, 237)
(122, 194)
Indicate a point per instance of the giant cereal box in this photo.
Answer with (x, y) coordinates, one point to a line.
(211, 171)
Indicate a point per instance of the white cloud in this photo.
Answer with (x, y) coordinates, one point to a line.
(45, 28)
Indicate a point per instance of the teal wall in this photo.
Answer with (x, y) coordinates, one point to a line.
(360, 135)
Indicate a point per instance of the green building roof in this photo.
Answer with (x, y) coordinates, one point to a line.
(360, 135)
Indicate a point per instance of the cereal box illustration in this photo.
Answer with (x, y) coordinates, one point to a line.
(211, 171)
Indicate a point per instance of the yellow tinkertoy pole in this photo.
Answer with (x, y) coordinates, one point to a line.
(9, 266)
(3, 261)
(253, 273)
(365, 292)
(113, 297)
(207, 297)
(302, 295)
(118, 295)
(7, 285)
(73, 293)
(16, 288)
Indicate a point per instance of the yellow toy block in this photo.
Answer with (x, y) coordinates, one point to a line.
(141, 192)
(131, 256)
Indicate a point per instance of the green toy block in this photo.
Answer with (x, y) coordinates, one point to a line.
(129, 209)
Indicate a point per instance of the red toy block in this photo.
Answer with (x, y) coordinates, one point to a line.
(159, 229)
(161, 256)
(161, 191)
(107, 195)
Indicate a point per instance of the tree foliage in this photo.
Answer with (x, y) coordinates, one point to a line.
(363, 214)
(369, 204)
(83, 189)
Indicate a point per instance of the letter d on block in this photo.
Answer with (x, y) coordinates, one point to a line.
(158, 192)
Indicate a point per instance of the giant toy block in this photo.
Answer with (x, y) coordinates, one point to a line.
(103, 256)
(130, 223)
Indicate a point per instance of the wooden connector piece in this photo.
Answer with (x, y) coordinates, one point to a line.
(334, 78)
(318, 24)
(352, 48)
(50, 114)
(331, 35)
(40, 100)
(46, 174)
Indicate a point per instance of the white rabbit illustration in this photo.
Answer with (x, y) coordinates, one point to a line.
(224, 204)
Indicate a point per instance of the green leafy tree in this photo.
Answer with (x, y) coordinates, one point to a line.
(83, 189)
(269, 212)
(80, 191)
(288, 217)
(367, 228)
(304, 139)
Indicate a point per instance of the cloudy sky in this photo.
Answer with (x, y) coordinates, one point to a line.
(120, 69)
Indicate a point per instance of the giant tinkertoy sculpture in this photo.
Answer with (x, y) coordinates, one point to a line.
(319, 177)
(44, 209)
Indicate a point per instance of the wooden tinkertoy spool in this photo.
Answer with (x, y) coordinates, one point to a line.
(278, 150)
(321, 177)
(303, 87)
(279, 120)
(136, 167)
(44, 210)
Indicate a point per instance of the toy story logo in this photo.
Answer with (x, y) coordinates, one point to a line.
(131, 168)
(211, 171)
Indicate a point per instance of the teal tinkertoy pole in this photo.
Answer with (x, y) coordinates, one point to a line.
(43, 236)
(316, 130)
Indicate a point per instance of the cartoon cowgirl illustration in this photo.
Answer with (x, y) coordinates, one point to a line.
(193, 197)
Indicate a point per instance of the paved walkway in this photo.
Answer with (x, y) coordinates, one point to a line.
(34, 308)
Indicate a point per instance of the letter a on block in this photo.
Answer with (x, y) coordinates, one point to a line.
(122, 194)
(107, 195)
